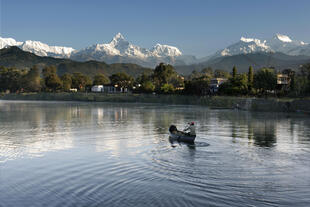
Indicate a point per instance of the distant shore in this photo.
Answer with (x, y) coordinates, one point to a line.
(215, 102)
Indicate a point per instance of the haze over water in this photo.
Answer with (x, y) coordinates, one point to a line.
(100, 154)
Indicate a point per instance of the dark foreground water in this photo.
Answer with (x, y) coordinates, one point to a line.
(85, 154)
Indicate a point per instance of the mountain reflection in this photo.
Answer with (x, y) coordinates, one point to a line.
(33, 128)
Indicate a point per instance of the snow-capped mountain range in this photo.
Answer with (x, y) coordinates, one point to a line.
(121, 47)
(119, 50)
(38, 48)
(279, 43)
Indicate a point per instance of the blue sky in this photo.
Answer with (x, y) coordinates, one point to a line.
(197, 27)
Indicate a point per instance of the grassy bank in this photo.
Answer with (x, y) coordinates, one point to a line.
(251, 104)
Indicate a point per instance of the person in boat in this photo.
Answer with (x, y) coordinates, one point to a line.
(173, 130)
(191, 128)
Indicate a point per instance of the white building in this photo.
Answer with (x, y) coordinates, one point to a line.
(97, 88)
(106, 89)
(215, 84)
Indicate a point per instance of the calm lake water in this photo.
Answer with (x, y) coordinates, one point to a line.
(100, 154)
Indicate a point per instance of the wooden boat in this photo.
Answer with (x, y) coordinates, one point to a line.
(182, 137)
(176, 135)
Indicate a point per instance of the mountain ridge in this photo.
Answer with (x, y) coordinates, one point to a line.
(278, 43)
(15, 57)
(119, 50)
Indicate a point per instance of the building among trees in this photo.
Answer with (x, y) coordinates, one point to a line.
(215, 84)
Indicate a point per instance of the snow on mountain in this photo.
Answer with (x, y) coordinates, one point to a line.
(117, 51)
(283, 38)
(120, 50)
(42, 49)
(244, 46)
(38, 48)
(7, 42)
(284, 44)
(165, 50)
(121, 47)
(279, 43)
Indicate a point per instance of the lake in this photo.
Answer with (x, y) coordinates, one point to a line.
(116, 154)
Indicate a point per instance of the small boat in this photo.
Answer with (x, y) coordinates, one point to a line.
(176, 135)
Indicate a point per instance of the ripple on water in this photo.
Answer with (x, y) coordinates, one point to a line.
(119, 155)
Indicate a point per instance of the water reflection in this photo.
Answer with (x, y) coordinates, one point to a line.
(36, 127)
(100, 154)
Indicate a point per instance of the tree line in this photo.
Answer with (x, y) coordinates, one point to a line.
(164, 79)
(47, 80)
(264, 82)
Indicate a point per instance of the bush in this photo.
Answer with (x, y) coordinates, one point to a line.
(167, 88)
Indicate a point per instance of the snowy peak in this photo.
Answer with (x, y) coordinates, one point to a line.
(244, 46)
(244, 39)
(165, 50)
(118, 36)
(38, 48)
(119, 40)
(43, 49)
(121, 47)
(7, 42)
(255, 44)
(282, 38)
(279, 43)
(286, 45)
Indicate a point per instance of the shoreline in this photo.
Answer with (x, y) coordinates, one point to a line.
(215, 102)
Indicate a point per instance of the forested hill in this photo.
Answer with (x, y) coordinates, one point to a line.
(15, 57)
(279, 61)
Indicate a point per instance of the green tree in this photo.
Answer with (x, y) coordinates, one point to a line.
(304, 75)
(291, 75)
(143, 78)
(208, 71)
(234, 72)
(66, 81)
(221, 74)
(53, 83)
(250, 78)
(194, 74)
(301, 85)
(144, 83)
(167, 88)
(197, 86)
(148, 87)
(235, 86)
(177, 81)
(51, 80)
(100, 79)
(122, 79)
(163, 73)
(10, 79)
(80, 81)
(48, 70)
(32, 80)
(205, 73)
(265, 80)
